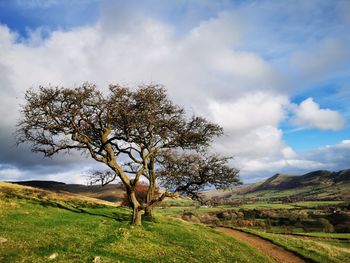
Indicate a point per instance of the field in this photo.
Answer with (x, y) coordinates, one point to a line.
(178, 206)
(38, 226)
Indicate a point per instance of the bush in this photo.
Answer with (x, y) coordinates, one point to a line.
(325, 225)
(141, 191)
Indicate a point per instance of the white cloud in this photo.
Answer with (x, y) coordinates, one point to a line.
(309, 114)
(206, 69)
(249, 111)
(9, 173)
(279, 165)
(251, 127)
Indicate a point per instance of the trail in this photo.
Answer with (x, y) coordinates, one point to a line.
(273, 251)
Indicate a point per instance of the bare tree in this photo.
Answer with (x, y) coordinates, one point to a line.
(189, 173)
(100, 177)
(123, 129)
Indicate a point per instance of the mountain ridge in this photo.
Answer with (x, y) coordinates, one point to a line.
(315, 185)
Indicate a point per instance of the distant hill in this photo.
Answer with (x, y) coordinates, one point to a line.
(317, 185)
(110, 192)
(321, 177)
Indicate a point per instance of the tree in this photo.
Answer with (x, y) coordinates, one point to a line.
(189, 173)
(123, 129)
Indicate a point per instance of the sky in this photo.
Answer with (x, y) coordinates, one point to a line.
(274, 74)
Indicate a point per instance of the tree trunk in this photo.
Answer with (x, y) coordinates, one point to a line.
(136, 217)
(151, 189)
(149, 211)
(136, 212)
(149, 198)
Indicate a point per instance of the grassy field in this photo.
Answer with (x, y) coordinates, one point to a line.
(318, 192)
(345, 236)
(312, 204)
(312, 247)
(179, 210)
(36, 225)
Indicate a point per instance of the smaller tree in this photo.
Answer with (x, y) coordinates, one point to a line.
(100, 177)
(190, 173)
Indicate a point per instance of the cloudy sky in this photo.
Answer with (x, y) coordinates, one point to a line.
(274, 74)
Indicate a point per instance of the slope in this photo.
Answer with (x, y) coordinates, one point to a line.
(317, 185)
(110, 192)
(37, 226)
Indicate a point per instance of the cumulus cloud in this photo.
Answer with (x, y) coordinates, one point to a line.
(309, 114)
(206, 68)
(249, 111)
(193, 67)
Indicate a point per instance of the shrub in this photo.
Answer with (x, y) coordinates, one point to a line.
(141, 195)
(325, 225)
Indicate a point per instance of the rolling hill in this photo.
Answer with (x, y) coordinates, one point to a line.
(110, 192)
(317, 185)
(43, 226)
(321, 178)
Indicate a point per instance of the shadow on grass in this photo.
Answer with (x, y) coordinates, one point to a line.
(81, 210)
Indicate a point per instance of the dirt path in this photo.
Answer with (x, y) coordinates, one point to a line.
(271, 250)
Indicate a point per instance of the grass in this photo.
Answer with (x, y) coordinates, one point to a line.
(319, 192)
(181, 201)
(37, 225)
(345, 236)
(316, 249)
(311, 204)
(266, 206)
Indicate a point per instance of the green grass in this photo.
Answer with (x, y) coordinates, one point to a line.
(328, 235)
(316, 249)
(319, 192)
(183, 202)
(176, 211)
(36, 228)
(310, 204)
(266, 206)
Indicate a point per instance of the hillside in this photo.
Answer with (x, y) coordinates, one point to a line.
(317, 185)
(40, 226)
(320, 178)
(110, 192)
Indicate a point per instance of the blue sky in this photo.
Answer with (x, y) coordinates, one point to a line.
(274, 74)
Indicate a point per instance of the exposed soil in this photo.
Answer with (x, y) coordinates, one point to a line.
(271, 250)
